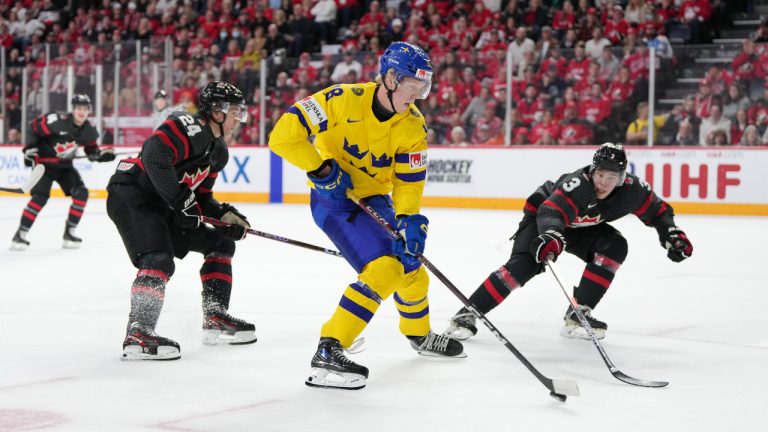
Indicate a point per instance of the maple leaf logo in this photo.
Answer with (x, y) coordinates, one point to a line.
(582, 221)
(193, 180)
(64, 149)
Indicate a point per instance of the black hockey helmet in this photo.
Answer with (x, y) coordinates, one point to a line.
(219, 96)
(610, 157)
(81, 99)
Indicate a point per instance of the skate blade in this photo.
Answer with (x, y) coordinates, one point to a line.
(218, 337)
(459, 333)
(18, 246)
(433, 354)
(69, 244)
(135, 352)
(578, 332)
(324, 378)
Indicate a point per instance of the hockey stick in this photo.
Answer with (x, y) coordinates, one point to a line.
(559, 389)
(34, 177)
(83, 156)
(591, 332)
(216, 222)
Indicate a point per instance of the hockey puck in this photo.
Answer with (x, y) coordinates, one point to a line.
(559, 397)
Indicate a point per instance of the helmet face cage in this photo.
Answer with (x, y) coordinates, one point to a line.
(407, 61)
(239, 111)
(610, 157)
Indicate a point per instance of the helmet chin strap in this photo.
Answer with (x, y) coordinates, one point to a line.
(390, 92)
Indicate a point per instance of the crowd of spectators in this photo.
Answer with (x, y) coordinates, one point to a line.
(580, 66)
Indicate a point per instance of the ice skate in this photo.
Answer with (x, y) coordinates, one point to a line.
(332, 369)
(462, 326)
(70, 240)
(435, 345)
(573, 328)
(142, 343)
(20, 242)
(221, 328)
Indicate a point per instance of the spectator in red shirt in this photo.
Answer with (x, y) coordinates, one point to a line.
(555, 59)
(703, 101)
(621, 88)
(530, 105)
(564, 19)
(579, 64)
(546, 131)
(596, 108)
(488, 119)
(574, 130)
(616, 26)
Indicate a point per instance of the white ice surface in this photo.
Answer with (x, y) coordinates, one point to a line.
(699, 324)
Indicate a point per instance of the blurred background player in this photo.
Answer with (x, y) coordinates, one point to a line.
(572, 215)
(157, 201)
(369, 138)
(53, 142)
(162, 108)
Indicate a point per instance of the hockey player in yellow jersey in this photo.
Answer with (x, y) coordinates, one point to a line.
(369, 139)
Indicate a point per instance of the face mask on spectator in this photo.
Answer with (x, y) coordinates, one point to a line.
(235, 34)
(223, 35)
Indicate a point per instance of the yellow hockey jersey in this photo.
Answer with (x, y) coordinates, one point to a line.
(380, 157)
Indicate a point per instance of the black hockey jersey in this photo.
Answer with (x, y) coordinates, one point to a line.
(571, 202)
(57, 138)
(182, 150)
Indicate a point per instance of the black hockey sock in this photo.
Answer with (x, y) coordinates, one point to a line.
(147, 294)
(216, 275)
(494, 290)
(595, 281)
(79, 199)
(33, 208)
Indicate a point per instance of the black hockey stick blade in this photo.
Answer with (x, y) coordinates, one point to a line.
(621, 376)
(217, 222)
(559, 389)
(34, 177)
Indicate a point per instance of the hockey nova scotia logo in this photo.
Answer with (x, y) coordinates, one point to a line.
(449, 171)
(194, 180)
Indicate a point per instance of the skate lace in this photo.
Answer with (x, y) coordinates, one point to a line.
(436, 342)
(338, 354)
(357, 346)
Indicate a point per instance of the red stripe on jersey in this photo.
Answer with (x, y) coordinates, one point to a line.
(216, 275)
(218, 259)
(35, 205)
(28, 215)
(551, 204)
(662, 208)
(492, 291)
(530, 207)
(153, 273)
(607, 263)
(44, 126)
(603, 282)
(135, 160)
(568, 200)
(213, 175)
(78, 202)
(180, 136)
(203, 190)
(508, 278)
(143, 289)
(167, 141)
(34, 126)
(639, 212)
(74, 212)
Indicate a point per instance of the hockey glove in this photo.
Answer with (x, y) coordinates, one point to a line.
(334, 185)
(413, 230)
(233, 231)
(230, 215)
(30, 156)
(548, 245)
(677, 244)
(102, 155)
(186, 210)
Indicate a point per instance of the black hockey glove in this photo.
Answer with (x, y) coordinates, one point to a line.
(548, 245)
(30, 156)
(102, 155)
(231, 215)
(677, 244)
(233, 232)
(186, 210)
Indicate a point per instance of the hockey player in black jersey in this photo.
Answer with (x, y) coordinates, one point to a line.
(157, 201)
(572, 215)
(53, 142)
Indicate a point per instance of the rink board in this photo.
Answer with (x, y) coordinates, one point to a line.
(728, 181)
